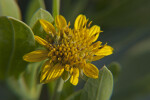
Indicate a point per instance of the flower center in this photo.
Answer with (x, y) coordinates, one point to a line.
(69, 51)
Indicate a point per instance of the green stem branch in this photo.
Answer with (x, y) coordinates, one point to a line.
(56, 7)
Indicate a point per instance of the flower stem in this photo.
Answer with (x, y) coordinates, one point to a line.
(58, 89)
(56, 7)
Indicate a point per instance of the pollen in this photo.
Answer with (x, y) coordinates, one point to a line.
(69, 51)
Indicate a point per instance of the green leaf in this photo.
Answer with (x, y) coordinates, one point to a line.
(75, 96)
(35, 24)
(9, 8)
(16, 40)
(31, 74)
(68, 89)
(26, 86)
(33, 6)
(98, 89)
(41, 14)
(115, 68)
(6, 44)
(23, 43)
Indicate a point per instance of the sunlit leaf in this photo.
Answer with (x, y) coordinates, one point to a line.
(41, 14)
(9, 8)
(33, 6)
(16, 40)
(35, 24)
(98, 89)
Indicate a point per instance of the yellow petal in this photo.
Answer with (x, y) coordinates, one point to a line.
(80, 22)
(94, 58)
(41, 41)
(93, 30)
(105, 51)
(47, 26)
(36, 56)
(75, 76)
(91, 70)
(45, 69)
(94, 37)
(54, 72)
(60, 22)
(95, 45)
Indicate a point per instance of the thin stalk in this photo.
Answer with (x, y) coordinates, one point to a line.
(58, 89)
(56, 7)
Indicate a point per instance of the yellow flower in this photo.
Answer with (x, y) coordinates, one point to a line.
(69, 51)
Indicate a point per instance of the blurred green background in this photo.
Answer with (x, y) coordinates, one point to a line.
(126, 26)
